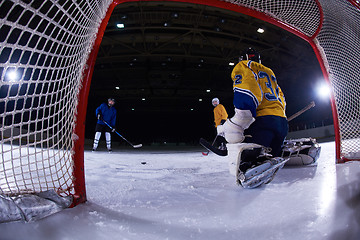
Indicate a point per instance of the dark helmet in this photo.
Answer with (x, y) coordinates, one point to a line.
(250, 54)
(112, 100)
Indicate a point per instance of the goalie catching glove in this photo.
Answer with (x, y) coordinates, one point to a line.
(233, 128)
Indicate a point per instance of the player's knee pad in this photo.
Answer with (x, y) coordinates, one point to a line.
(107, 136)
(97, 136)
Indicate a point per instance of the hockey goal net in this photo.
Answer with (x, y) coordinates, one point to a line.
(47, 52)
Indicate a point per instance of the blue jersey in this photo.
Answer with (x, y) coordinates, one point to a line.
(108, 114)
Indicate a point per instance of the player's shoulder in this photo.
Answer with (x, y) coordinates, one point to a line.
(259, 66)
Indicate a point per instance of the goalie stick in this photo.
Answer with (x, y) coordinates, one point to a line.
(295, 115)
(134, 146)
(207, 152)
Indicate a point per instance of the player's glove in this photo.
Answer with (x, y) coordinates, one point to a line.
(233, 128)
(99, 116)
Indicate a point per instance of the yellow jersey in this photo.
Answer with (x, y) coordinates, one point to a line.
(256, 89)
(219, 114)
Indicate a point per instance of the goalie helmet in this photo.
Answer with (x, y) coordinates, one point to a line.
(250, 54)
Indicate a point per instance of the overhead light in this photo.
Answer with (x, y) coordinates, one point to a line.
(191, 109)
(200, 99)
(120, 25)
(143, 99)
(117, 88)
(260, 30)
(167, 24)
(231, 64)
(133, 109)
(208, 90)
(175, 15)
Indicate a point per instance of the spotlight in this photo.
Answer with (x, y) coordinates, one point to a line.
(260, 30)
(120, 25)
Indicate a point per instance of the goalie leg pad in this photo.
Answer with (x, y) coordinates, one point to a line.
(303, 151)
(234, 155)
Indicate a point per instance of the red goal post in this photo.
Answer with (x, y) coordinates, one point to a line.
(48, 51)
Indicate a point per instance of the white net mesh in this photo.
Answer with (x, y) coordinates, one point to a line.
(340, 39)
(303, 15)
(44, 48)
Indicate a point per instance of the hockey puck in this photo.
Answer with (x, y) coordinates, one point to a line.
(143, 163)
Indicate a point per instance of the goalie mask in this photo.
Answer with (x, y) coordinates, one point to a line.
(250, 54)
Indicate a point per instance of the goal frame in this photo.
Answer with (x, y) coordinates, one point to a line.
(311, 32)
(84, 92)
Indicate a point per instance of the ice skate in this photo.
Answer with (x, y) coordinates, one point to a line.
(252, 164)
(261, 174)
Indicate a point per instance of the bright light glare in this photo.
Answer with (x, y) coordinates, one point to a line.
(323, 91)
(120, 25)
(260, 30)
(231, 64)
(12, 75)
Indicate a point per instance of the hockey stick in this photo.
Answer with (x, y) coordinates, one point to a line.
(207, 153)
(134, 146)
(295, 115)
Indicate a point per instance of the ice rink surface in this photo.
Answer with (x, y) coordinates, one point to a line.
(181, 194)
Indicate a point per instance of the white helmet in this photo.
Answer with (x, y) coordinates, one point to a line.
(215, 101)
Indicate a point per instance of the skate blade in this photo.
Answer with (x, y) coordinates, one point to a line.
(250, 173)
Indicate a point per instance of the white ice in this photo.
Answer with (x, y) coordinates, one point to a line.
(181, 194)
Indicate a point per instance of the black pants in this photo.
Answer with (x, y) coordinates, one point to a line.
(102, 128)
(269, 131)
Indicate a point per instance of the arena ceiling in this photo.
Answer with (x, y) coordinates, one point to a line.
(170, 59)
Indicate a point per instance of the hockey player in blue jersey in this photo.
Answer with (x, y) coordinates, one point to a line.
(105, 112)
(256, 132)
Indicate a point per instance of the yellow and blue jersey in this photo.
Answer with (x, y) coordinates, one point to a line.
(256, 89)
